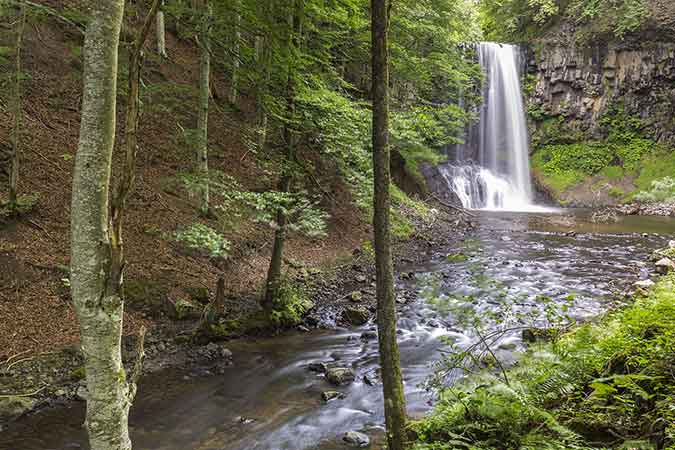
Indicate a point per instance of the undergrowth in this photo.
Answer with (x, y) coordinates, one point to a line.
(606, 385)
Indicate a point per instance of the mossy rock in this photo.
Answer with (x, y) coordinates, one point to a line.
(218, 331)
(79, 373)
(183, 309)
(145, 295)
(456, 257)
(355, 315)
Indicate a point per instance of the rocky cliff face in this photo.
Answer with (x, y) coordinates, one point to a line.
(581, 81)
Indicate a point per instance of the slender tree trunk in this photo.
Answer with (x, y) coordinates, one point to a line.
(236, 47)
(394, 400)
(263, 56)
(274, 271)
(18, 112)
(95, 295)
(128, 176)
(161, 32)
(202, 152)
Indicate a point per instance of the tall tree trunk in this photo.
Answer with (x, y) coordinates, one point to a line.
(128, 176)
(95, 295)
(18, 112)
(263, 56)
(161, 31)
(394, 400)
(236, 47)
(202, 152)
(285, 180)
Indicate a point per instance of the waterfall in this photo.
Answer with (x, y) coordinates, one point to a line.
(491, 169)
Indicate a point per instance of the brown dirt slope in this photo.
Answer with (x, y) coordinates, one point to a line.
(35, 309)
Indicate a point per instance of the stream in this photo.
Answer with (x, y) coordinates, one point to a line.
(268, 400)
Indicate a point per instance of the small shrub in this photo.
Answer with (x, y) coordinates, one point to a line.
(203, 239)
(663, 190)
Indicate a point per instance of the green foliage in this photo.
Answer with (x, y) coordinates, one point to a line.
(663, 190)
(522, 20)
(291, 304)
(203, 239)
(594, 384)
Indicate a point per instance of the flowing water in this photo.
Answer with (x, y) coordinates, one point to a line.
(491, 169)
(268, 400)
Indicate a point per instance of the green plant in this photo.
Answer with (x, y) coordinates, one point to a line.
(204, 239)
(663, 190)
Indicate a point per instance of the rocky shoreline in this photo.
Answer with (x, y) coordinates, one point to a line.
(343, 296)
(647, 209)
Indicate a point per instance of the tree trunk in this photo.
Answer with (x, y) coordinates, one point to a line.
(263, 57)
(95, 295)
(274, 271)
(394, 400)
(236, 47)
(161, 32)
(202, 152)
(18, 113)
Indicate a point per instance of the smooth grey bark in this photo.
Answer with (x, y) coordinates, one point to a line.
(390, 361)
(95, 294)
(161, 31)
(202, 152)
(18, 112)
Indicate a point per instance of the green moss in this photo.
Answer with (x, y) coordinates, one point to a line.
(612, 172)
(79, 373)
(456, 257)
(414, 156)
(144, 294)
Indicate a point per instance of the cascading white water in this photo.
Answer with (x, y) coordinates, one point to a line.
(499, 143)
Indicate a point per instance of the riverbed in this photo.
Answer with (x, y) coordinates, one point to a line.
(269, 400)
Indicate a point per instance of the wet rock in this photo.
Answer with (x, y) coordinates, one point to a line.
(303, 328)
(332, 395)
(665, 265)
(368, 335)
(505, 238)
(671, 244)
(361, 278)
(356, 439)
(356, 296)
(318, 367)
(533, 334)
(355, 315)
(340, 376)
(511, 346)
(13, 407)
(643, 284)
(371, 379)
(213, 351)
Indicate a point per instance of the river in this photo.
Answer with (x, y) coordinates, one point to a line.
(268, 400)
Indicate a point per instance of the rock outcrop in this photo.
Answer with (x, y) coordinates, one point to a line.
(580, 82)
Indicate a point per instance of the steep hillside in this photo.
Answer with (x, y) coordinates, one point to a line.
(35, 308)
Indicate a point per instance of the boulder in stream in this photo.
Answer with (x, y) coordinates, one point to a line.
(664, 266)
(355, 315)
(327, 396)
(643, 284)
(340, 376)
(356, 439)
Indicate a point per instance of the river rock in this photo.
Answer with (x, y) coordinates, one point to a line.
(368, 335)
(355, 315)
(81, 393)
(332, 395)
(643, 284)
(665, 265)
(340, 376)
(534, 334)
(356, 296)
(361, 278)
(356, 439)
(318, 367)
(12, 407)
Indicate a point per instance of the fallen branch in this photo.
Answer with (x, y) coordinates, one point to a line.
(29, 394)
(451, 206)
